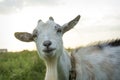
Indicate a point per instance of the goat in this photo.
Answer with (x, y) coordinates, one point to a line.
(95, 62)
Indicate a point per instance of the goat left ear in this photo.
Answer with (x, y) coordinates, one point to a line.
(24, 36)
(70, 24)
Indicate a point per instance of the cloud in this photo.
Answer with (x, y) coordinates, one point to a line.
(9, 6)
(41, 2)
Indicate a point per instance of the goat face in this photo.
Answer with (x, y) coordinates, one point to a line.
(48, 37)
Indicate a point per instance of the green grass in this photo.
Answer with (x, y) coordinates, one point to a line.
(25, 65)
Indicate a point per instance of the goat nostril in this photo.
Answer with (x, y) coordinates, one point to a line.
(47, 43)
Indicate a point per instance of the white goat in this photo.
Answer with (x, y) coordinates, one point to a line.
(96, 62)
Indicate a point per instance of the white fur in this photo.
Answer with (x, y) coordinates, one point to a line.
(96, 64)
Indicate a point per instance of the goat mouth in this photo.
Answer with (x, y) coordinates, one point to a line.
(48, 50)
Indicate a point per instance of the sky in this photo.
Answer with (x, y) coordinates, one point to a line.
(100, 20)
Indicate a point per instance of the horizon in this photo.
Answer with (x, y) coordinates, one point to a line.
(100, 20)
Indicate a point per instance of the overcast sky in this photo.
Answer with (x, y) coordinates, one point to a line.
(100, 20)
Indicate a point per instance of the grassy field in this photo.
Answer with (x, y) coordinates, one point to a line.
(25, 65)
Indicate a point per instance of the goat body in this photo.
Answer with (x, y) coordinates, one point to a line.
(98, 63)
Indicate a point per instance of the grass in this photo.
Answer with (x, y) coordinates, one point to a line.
(25, 65)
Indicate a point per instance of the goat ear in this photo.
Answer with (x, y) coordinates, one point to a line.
(70, 24)
(24, 36)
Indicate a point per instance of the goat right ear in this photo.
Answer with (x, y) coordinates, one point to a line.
(70, 24)
(24, 36)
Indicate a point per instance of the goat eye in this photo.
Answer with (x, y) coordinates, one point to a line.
(57, 27)
(59, 30)
(35, 33)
